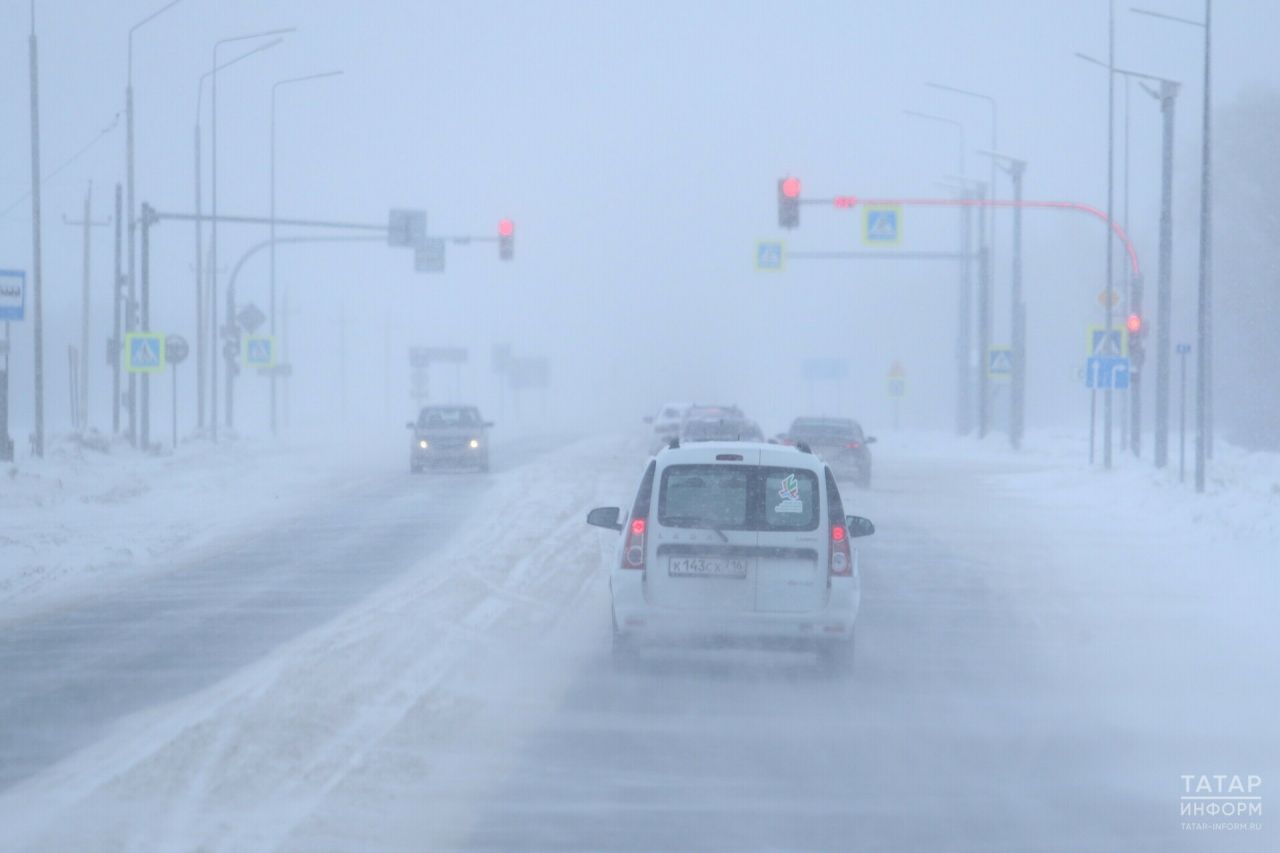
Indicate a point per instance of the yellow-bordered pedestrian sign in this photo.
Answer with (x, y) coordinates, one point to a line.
(1100, 344)
(882, 224)
(770, 255)
(259, 351)
(1000, 362)
(144, 352)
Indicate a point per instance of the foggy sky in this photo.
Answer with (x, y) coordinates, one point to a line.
(636, 147)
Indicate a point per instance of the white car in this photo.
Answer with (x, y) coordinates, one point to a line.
(735, 542)
(666, 424)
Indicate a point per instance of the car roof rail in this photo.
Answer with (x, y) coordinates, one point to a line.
(803, 447)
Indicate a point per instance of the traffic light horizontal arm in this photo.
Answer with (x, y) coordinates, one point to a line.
(879, 254)
(843, 203)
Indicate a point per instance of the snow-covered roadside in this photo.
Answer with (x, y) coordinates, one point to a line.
(84, 516)
(241, 764)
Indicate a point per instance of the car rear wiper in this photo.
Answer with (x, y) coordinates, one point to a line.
(694, 521)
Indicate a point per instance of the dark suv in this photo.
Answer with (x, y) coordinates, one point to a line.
(839, 441)
(454, 436)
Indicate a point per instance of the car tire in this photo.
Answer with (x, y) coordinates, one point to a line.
(837, 657)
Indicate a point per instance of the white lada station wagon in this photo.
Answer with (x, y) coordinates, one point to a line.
(735, 543)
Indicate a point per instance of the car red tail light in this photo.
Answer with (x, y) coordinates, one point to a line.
(633, 553)
(841, 556)
(854, 445)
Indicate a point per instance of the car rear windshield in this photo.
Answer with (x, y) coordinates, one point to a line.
(738, 497)
(829, 430)
(717, 431)
(448, 418)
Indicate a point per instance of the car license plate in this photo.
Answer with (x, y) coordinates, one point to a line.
(708, 567)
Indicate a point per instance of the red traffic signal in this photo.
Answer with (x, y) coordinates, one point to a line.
(506, 239)
(788, 202)
(1134, 324)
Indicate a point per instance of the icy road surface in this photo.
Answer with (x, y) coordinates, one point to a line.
(1033, 673)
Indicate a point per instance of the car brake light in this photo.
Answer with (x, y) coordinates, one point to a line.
(633, 553)
(841, 557)
(854, 445)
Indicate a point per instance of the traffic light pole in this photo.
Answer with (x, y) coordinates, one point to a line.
(1164, 290)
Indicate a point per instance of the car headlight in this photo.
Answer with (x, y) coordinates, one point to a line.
(423, 444)
(475, 442)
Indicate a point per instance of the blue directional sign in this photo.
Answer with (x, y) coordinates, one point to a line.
(13, 294)
(259, 350)
(1107, 372)
(882, 224)
(144, 352)
(769, 255)
(1000, 362)
(825, 369)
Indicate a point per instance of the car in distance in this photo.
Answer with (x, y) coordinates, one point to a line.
(840, 441)
(720, 429)
(735, 543)
(666, 424)
(449, 436)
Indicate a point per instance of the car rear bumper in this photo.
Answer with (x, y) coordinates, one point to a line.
(637, 619)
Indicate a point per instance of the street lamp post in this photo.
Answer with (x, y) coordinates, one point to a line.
(1167, 94)
(272, 313)
(995, 146)
(213, 231)
(964, 375)
(201, 343)
(1018, 313)
(1204, 320)
(131, 311)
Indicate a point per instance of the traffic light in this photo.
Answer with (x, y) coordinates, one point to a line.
(789, 202)
(1137, 351)
(506, 239)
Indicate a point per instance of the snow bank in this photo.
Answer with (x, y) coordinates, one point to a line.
(100, 511)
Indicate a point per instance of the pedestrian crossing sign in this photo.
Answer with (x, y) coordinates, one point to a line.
(882, 224)
(1000, 362)
(259, 350)
(144, 352)
(1107, 343)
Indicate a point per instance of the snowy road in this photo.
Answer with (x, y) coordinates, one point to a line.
(1026, 680)
(66, 674)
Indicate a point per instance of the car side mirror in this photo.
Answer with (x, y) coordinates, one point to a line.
(605, 516)
(871, 439)
(858, 526)
(408, 425)
(488, 424)
(648, 419)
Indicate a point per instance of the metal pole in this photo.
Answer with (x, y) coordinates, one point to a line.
(145, 435)
(964, 342)
(1164, 292)
(1182, 415)
(37, 266)
(173, 368)
(1204, 324)
(1018, 319)
(1111, 106)
(271, 313)
(213, 254)
(984, 336)
(1127, 400)
(83, 408)
(117, 295)
(200, 330)
(131, 304)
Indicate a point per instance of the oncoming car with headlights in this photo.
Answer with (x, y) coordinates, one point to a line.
(733, 543)
(449, 436)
